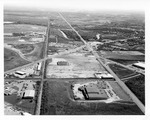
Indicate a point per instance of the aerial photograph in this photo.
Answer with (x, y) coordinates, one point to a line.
(73, 61)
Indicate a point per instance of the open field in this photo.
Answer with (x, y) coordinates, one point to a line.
(37, 53)
(18, 28)
(12, 60)
(137, 86)
(121, 72)
(119, 91)
(11, 39)
(80, 65)
(26, 17)
(24, 48)
(123, 55)
(56, 101)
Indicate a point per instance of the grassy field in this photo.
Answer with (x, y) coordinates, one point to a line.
(24, 48)
(12, 60)
(38, 52)
(137, 86)
(116, 56)
(124, 62)
(18, 28)
(26, 17)
(56, 101)
(121, 72)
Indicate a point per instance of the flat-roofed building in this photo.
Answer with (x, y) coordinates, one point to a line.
(139, 65)
(92, 92)
(104, 75)
(28, 94)
(62, 63)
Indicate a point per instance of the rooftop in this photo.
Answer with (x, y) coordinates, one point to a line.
(29, 93)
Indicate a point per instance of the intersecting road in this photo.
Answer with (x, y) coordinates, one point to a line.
(104, 62)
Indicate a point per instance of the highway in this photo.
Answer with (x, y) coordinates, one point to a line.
(104, 64)
(39, 99)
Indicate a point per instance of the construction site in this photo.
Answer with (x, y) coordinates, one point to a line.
(70, 68)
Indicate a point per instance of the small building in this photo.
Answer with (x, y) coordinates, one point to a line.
(104, 75)
(39, 66)
(62, 63)
(140, 65)
(20, 74)
(28, 94)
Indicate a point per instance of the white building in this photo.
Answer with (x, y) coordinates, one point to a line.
(29, 94)
(104, 75)
(139, 65)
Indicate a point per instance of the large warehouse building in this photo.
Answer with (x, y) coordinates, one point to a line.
(92, 92)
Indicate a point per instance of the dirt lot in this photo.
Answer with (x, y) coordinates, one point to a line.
(56, 101)
(80, 66)
(12, 60)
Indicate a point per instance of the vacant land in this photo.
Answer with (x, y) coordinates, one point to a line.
(37, 53)
(123, 55)
(24, 48)
(120, 71)
(12, 60)
(56, 101)
(80, 65)
(137, 86)
(18, 28)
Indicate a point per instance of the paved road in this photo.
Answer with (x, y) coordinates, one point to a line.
(103, 62)
(46, 58)
(39, 100)
(127, 78)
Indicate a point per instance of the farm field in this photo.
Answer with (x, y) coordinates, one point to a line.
(56, 101)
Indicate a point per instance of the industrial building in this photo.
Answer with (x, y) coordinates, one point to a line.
(28, 94)
(20, 74)
(140, 65)
(92, 92)
(62, 63)
(104, 75)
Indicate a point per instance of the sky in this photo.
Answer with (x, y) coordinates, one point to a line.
(90, 5)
